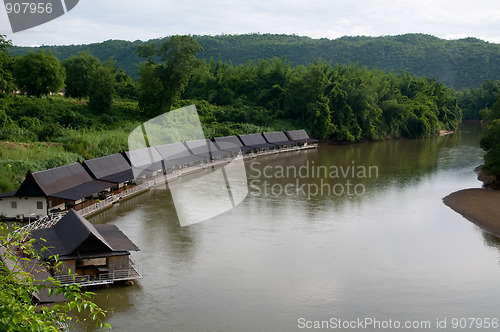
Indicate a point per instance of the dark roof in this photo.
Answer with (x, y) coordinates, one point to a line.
(9, 194)
(114, 168)
(231, 143)
(121, 177)
(41, 276)
(70, 182)
(34, 267)
(205, 148)
(74, 236)
(83, 190)
(255, 141)
(60, 178)
(278, 138)
(300, 136)
(177, 154)
(143, 161)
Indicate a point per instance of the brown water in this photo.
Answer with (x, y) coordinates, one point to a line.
(389, 250)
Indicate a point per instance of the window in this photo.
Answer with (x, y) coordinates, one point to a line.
(13, 205)
(39, 205)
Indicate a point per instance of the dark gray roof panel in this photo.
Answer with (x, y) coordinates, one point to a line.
(9, 194)
(116, 239)
(73, 232)
(106, 168)
(144, 157)
(231, 143)
(144, 161)
(83, 190)
(278, 138)
(121, 177)
(71, 182)
(300, 136)
(205, 148)
(61, 178)
(255, 141)
(173, 151)
(177, 154)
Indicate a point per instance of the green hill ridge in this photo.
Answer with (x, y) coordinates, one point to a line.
(463, 63)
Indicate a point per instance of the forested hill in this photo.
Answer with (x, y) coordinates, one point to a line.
(463, 63)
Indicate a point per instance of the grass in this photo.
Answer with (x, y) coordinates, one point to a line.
(44, 133)
(17, 158)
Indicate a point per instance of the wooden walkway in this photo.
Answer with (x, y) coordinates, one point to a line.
(48, 221)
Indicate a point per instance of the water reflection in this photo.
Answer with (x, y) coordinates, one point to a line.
(152, 219)
(355, 173)
(396, 252)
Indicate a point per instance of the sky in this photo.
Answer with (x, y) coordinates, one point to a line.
(94, 21)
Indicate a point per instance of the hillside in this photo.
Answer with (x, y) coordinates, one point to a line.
(460, 64)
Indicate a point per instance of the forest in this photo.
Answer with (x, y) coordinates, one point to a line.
(460, 64)
(40, 128)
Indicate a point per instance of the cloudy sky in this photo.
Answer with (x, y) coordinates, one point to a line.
(95, 21)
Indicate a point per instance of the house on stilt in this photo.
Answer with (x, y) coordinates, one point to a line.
(90, 254)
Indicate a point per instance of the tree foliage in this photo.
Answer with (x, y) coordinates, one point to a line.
(18, 312)
(460, 64)
(38, 74)
(6, 79)
(170, 76)
(490, 141)
(473, 101)
(80, 70)
(345, 103)
(101, 90)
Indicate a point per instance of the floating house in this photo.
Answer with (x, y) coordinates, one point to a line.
(90, 254)
(146, 163)
(205, 148)
(232, 144)
(279, 138)
(300, 136)
(177, 155)
(56, 189)
(98, 183)
(256, 142)
(114, 168)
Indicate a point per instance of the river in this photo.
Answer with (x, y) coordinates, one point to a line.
(377, 245)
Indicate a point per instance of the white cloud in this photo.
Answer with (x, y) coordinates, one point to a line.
(95, 21)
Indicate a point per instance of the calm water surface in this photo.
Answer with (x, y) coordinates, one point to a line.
(391, 251)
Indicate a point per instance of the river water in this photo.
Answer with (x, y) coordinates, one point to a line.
(336, 246)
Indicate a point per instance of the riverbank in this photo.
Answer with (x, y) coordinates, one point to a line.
(480, 206)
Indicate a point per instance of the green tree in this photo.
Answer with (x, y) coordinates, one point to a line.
(17, 287)
(149, 87)
(490, 141)
(80, 69)
(124, 85)
(6, 80)
(178, 61)
(101, 90)
(38, 74)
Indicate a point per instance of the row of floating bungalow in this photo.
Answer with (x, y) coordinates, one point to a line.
(93, 184)
(92, 255)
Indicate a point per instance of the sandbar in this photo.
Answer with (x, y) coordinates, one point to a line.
(480, 206)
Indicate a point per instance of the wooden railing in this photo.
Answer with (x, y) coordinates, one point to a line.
(97, 206)
(133, 272)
